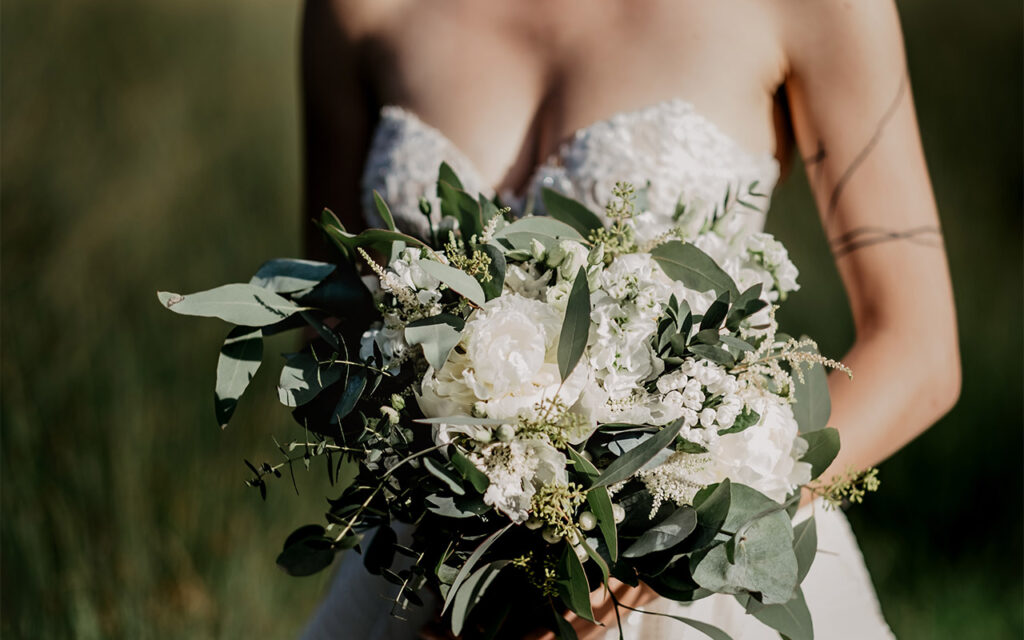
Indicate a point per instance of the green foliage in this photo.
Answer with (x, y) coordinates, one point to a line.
(437, 335)
(631, 461)
(239, 359)
(459, 281)
(241, 304)
(570, 212)
(575, 326)
(686, 263)
(822, 448)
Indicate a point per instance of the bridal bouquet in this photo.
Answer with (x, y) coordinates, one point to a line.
(546, 403)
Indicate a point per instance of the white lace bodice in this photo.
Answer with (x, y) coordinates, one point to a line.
(688, 163)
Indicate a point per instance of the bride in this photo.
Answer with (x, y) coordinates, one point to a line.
(693, 96)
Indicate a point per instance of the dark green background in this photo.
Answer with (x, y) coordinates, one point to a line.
(155, 145)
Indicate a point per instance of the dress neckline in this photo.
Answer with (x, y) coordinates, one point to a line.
(765, 158)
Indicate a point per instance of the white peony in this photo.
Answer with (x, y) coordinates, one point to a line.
(506, 363)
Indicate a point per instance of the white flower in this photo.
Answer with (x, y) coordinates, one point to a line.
(505, 365)
(515, 470)
(526, 280)
(389, 337)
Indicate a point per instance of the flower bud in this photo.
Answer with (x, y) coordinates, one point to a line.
(390, 414)
(581, 553)
(425, 206)
(550, 535)
(505, 432)
(596, 255)
(534, 523)
(537, 249)
(397, 401)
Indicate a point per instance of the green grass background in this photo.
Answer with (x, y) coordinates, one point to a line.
(155, 145)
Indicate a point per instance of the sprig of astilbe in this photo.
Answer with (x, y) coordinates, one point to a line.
(411, 307)
(851, 486)
(765, 361)
(619, 237)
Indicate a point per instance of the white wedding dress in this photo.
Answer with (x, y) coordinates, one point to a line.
(687, 160)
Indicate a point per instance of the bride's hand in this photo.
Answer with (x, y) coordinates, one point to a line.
(604, 611)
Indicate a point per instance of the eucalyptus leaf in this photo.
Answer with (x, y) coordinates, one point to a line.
(571, 583)
(471, 591)
(459, 281)
(570, 211)
(302, 378)
(446, 174)
(763, 562)
(709, 630)
(813, 404)
(383, 211)
(792, 619)
(242, 304)
(461, 206)
(805, 546)
(471, 562)
(541, 227)
(666, 534)
(572, 341)
(380, 553)
(716, 313)
(437, 335)
(445, 475)
(239, 359)
(717, 355)
(600, 503)
(306, 554)
(494, 283)
(694, 268)
(822, 448)
(469, 471)
(712, 506)
(633, 460)
(354, 388)
(288, 275)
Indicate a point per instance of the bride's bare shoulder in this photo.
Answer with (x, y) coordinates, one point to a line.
(817, 32)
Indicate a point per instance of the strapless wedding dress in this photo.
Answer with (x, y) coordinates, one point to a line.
(686, 161)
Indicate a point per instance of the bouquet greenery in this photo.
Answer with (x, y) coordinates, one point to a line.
(546, 402)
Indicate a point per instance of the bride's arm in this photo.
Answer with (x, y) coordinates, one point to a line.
(854, 120)
(339, 113)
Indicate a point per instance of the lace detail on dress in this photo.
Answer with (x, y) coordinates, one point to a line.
(689, 166)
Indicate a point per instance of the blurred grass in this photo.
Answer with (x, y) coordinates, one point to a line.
(154, 145)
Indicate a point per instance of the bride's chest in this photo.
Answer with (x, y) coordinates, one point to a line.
(509, 83)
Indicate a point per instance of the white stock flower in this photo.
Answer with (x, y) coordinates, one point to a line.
(389, 337)
(526, 280)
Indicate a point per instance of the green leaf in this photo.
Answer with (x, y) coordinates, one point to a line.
(745, 505)
(303, 378)
(446, 174)
(805, 546)
(694, 268)
(459, 281)
(744, 421)
(488, 209)
(458, 204)
(822, 448)
(383, 211)
(792, 619)
(469, 471)
(748, 303)
(717, 355)
(456, 506)
(496, 270)
(712, 506)
(445, 475)
(564, 629)
(763, 561)
(736, 343)
(471, 591)
(716, 313)
(239, 359)
(241, 304)
(350, 396)
(546, 230)
(709, 630)
(575, 326)
(437, 335)
(288, 275)
(471, 562)
(571, 583)
(813, 405)
(600, 503)
(569, 211)
(666, 534)
(633, 460)
(306, 551)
